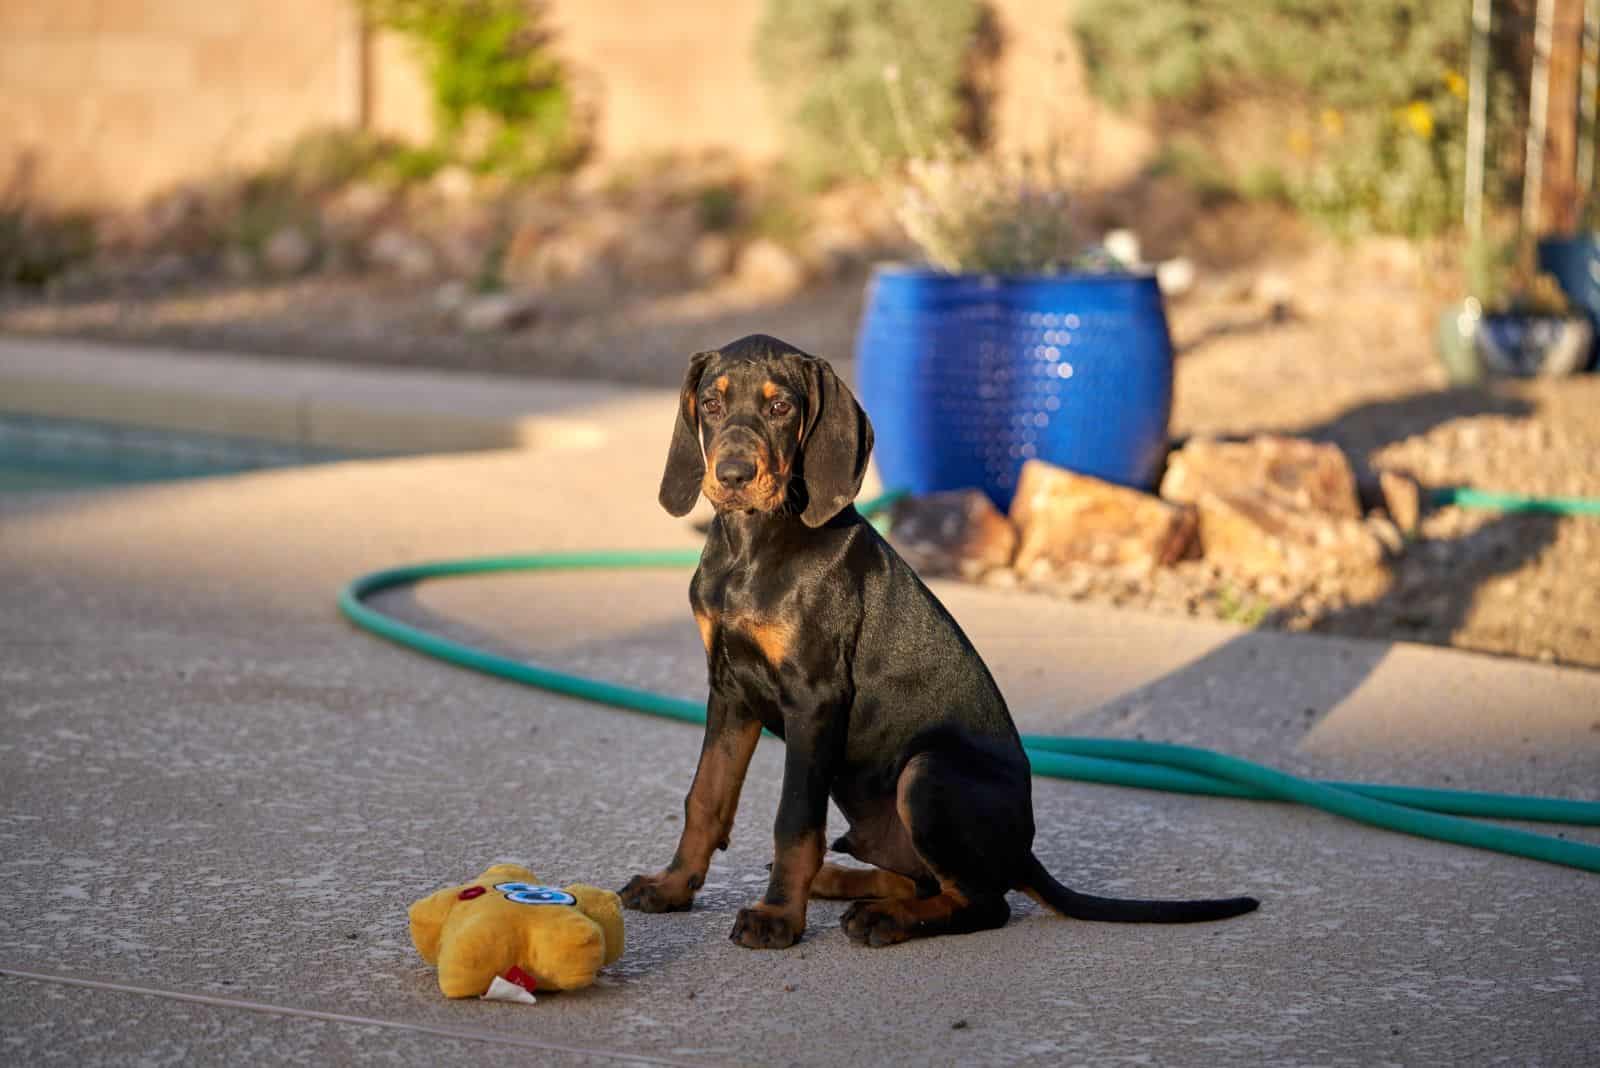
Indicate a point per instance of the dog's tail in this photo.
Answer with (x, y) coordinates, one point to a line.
(1043, 888)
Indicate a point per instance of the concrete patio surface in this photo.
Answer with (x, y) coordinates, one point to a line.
(217, 799)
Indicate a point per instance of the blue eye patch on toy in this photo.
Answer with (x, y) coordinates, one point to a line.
(530, 894)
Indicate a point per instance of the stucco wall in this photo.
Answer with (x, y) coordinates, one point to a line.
(112, 100)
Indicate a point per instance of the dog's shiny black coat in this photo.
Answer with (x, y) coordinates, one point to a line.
(818, 631)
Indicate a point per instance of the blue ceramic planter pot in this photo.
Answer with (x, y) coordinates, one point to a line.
(1534, 345)
(1575, 263)
(967, 377)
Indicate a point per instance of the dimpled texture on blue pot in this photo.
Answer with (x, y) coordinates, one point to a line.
(966, 377)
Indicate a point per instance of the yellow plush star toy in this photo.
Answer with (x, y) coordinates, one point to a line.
(506, 924)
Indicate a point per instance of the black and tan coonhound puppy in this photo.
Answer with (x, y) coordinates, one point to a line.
(817, 630)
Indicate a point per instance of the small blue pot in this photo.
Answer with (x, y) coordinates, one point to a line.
(966, 377)
(1534, 345)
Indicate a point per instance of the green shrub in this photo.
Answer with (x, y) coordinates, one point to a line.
(500, 97)
(718, 207)
(414, 163)
(326, 158)
(779, 213)
(1367, 96)
(266, 203)
(35, 246)
(990, 215)
(860, 83)
(1188, 158)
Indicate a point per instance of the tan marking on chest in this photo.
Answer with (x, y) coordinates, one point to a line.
(708, 624)
(774, 637)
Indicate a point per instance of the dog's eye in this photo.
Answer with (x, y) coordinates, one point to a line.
(780, 408)
(711, 406)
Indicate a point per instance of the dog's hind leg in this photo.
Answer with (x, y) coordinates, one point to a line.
(837, 883)
(969, 830)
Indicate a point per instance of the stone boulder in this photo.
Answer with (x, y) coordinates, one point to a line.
(1066, 519)
(1273, 505)
(958, 532)
(581, 254)
(289, 251)
(1252, 534)
(350, 215)
(490, 313)
(766, 269)
(711, 258)
(1402, 499)
(1301, 475)
(401, 252)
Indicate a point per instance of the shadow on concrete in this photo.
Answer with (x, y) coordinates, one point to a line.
(1261, 694)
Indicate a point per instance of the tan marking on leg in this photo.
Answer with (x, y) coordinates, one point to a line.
(915, 768)
(837, 883)
(778, 920)
(911, 911)
(1031, 892)
(708, 821)
(794, 867)
(714, 797)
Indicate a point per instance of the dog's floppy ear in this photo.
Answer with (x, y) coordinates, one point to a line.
(834, 446)
(686, 462)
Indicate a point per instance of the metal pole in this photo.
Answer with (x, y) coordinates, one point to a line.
(1478, 114)
(1588, 87)
(1538, 115)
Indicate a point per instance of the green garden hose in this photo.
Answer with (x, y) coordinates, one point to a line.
(1466, 497)
(1426, 813)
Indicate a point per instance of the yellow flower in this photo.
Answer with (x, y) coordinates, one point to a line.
(1454, 82)
(1333, 121)
(1299, 142)
(1417, 115)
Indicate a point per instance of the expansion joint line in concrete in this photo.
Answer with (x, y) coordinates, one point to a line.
(333, 1017)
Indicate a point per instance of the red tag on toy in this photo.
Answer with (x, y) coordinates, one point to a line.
(471, 892)
(516, 975)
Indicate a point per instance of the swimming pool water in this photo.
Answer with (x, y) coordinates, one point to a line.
(40, 453)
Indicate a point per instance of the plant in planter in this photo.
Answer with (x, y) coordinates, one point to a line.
(1013, 343)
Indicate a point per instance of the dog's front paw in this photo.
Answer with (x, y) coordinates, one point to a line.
(875, 923)
(657, 893)
(760, 928)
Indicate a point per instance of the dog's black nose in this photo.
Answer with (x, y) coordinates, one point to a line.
(734, 472)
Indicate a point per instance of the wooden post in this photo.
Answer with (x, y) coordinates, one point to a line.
(1558, 192)
(1588, 99)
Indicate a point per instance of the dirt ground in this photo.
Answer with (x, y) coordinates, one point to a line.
(1327, 341)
